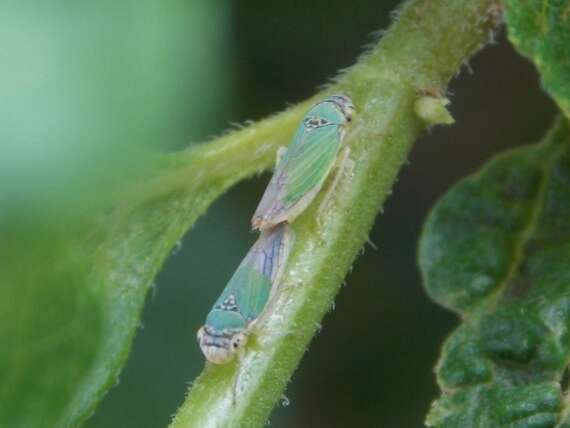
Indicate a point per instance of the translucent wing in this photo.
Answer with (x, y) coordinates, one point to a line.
(251, 286)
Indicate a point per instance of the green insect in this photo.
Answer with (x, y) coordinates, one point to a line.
(303, 166)
(247, 296)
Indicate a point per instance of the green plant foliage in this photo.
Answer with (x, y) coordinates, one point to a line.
(384, 86)
(496, 250)
(540, 29)
(72, 293)
(71, 305)
(84, 110)
(79, 255)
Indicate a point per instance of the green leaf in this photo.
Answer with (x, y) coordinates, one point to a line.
(72, 302)
(86, 110)
(73, 291)
(540, 29)
(496, 250)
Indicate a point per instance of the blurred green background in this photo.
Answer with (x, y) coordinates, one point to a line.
(86, 88)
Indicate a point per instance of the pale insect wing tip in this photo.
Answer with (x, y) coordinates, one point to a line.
(256, 223)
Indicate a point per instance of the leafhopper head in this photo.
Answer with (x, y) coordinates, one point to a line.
(345, 104)
(220, 347)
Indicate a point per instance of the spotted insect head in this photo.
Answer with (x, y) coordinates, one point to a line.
(220, 347)
(223, 334)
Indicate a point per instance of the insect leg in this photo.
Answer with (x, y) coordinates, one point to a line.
(280, 153)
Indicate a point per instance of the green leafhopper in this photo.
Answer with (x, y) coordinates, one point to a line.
(246, 296)
(303, 167)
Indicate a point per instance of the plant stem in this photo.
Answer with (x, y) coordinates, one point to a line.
(423, 49)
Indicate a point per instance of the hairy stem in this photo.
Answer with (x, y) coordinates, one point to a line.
(423, 49)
